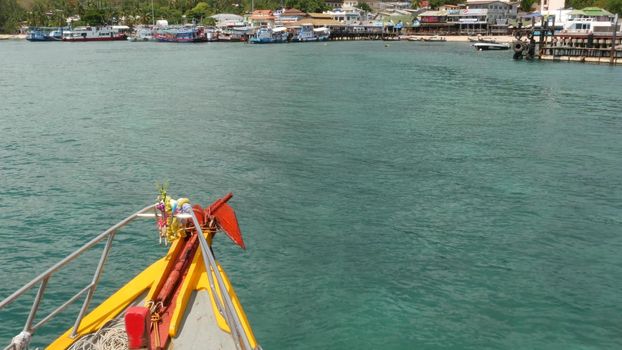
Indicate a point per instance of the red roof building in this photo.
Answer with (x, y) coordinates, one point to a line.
(262, 18)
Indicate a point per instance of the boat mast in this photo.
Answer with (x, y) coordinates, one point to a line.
(152, 14)
(613, 39)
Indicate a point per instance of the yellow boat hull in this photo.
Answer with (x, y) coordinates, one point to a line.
(195, 316)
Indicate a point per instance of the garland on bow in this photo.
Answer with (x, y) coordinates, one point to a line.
(170, 227)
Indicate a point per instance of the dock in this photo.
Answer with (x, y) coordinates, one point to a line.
(585, 48)
(362, 33)
(545, 43)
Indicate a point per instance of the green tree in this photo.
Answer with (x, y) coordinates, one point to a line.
(173, 15)
(436, 3)
(10, 16)
(307, 5)
(94, 17)
(525, 5)
(200, 11)
(208, 21)
(363, 6)
(613, 6)
(579, 4)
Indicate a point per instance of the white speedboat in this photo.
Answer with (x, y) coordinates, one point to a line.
(480, 39)
(490, 46)
(435, 38)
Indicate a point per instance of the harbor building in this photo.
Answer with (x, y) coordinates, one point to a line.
(497, 9)
(287, 16)
(342, 4)
(467, 21)
(262, 18)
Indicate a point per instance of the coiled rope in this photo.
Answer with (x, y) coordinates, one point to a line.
(111, 336)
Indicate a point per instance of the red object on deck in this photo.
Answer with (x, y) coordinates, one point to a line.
(176, 274)
(167, 294)
(225, 216)
(137, 323)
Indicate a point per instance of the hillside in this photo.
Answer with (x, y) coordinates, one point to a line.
(25, 4)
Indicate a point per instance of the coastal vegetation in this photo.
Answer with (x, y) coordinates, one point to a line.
(15, 13)
(10, 16)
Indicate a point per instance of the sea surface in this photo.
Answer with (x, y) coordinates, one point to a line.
(391, 196)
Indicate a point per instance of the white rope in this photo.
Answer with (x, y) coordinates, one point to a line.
(21, 340)
(111, 336)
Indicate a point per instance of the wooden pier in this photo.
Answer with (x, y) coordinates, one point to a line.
(587, 48)
(545, 43)
(369, 34)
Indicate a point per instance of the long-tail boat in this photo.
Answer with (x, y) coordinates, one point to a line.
(182, 301)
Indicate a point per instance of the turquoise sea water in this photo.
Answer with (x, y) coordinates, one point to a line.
(411, 196)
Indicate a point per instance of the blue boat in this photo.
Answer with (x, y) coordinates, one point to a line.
(186, 34)
(266, 35)
(45, 34)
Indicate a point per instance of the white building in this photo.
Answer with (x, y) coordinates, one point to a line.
(346, 16)
(499, 11)
(228, 20)
(344, 4)
(552, 5)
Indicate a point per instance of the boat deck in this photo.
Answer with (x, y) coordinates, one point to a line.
(199, 330)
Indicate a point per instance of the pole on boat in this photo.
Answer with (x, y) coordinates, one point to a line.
(210, 266)
(543, 29)
(553, 30)
(613, 41)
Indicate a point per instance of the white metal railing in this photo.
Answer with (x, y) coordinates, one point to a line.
(22, 340)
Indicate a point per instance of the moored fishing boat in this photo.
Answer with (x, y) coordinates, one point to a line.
(141, 34)
(45, 34)
(267, 35)
(233, 34)
(307, 32)
(185, 34)
(105, 33)
(182, 301)
(211, 34)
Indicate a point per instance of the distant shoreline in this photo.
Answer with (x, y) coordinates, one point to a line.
(12, 36)
(449, 38)
(462, 38)
(465, 38)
